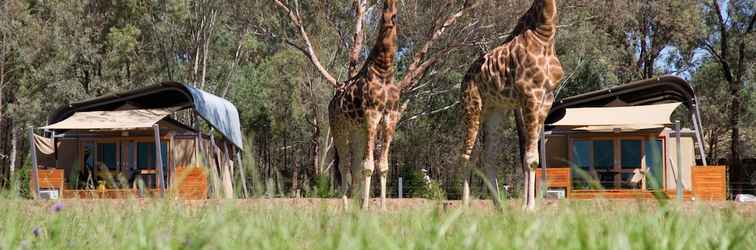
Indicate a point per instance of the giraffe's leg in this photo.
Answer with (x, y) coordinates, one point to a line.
(492, 123)
(534, 115)
(341, 142)
(472, 104)
(522, 136)
(357, 143)
(372, 118)
(389, 127)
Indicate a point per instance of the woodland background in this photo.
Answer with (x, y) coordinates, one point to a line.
(57, 52)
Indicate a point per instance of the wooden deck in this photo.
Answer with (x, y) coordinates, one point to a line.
(190, 183)
(624, 194)
(109, 194)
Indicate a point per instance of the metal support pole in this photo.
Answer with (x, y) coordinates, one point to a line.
(401, 191)
(35, 173)
(679, 187)
(699, 136)
(159, 160)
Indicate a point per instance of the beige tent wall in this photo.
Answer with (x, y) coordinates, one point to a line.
(556, 151)
(183, 152)
(688, 160)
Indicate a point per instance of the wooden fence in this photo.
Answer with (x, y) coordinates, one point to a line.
(710, 183)
(191, 183)
(555, 178)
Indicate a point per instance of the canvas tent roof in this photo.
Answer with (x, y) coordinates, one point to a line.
(112, 120)
(218, 112)
(663, 89)
(624, 118)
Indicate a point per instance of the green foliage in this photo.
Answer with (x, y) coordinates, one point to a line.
(416, 186)
(322, 188)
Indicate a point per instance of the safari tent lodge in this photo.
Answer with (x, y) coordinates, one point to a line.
(620, 143)
(107, 147)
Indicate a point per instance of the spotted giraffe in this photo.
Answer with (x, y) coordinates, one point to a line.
(364, 105)
(519, 75)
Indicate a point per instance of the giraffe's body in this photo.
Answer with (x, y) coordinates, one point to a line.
(364, 105)
(520, 74)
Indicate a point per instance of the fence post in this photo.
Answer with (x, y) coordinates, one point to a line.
(401, 192)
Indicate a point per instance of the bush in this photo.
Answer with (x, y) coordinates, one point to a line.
(417, 187)
(322, 188)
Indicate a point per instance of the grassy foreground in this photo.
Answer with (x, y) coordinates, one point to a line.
(134, 224)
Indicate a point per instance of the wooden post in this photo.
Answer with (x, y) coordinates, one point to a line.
(227, 188)
(679, 187)
(241, 173)
(159, 160)
(228, 169)
(35, 171)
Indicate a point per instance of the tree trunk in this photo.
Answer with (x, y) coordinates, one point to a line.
(13, 152)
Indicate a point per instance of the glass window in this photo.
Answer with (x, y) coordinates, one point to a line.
(655, 163)
(581, 164)
(631, 154)
(146, 154)
(603, 154)
(581, 154)
(89, 159)
(107, 154)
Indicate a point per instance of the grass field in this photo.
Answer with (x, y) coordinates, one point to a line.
(408, 224)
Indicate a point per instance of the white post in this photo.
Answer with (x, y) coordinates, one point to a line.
(679, 187)
(159, 160)
(401, 192)
(35, 174)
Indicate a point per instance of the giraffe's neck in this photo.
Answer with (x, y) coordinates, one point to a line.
(546, 19)
(381, 58)
(541, 19)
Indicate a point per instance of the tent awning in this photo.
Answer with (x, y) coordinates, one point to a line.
(624, 118)
(112, 120)
(218, 112)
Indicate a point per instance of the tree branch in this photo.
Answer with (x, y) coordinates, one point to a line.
(418, 67)
(427, 112)
(358, 38)
(307, 50)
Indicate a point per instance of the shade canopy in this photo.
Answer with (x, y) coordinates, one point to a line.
(663, 89)
(112, 120)
(624, 118)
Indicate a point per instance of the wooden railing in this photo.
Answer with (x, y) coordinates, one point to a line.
(556, 178)
(48, 179)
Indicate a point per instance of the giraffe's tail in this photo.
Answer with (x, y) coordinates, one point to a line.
(472, 104)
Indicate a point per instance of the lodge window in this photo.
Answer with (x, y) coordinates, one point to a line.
(610, 162)
(128, 159)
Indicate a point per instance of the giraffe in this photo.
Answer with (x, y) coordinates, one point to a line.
(520, 75)
(360, 104)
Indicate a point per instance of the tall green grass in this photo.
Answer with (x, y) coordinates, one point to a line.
(156, 224)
